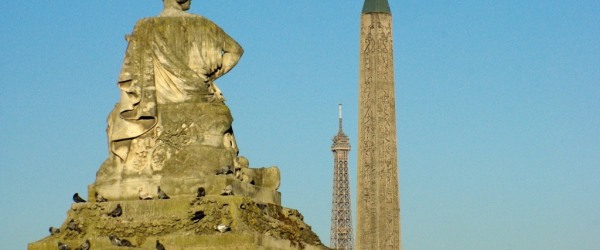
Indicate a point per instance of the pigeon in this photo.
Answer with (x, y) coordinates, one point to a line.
(114, 240)
(198, 215)
(84, 246)
(262, 206)
(100, 198)
(73, 226)
(118, 211)
(159, 246)
(120, 242)
(162, 195)
(224, 170)
(77, 199)
(143, 195)
(228, 190)
(63, 246)
(237, 171)
(201, 192)
(126, 243)
(54, 230)
(223, 228)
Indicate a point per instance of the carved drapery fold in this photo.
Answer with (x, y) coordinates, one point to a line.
(168, 60)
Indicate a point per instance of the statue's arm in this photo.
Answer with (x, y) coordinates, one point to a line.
(232, 52)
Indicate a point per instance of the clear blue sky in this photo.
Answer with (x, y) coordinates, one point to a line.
(498, 111)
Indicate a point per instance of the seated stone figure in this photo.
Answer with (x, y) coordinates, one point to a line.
(171, 127)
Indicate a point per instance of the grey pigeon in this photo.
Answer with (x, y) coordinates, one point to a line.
(63, 246)
(72, 225)
(119, 242)
(118, 211)
(262, 206)
(224, 170)
(77, 198)
(159, 246)
(201, 192)
(126, 243)
(84, 246)
(162, 195)
(198, 215)
(100, 198)
(54, 230)
(228, 190)
(114, 240)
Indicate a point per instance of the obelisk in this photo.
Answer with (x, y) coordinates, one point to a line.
(378, 203)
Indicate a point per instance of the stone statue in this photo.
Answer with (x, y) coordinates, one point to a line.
(173, 173)
(171, 59)
(171, 127)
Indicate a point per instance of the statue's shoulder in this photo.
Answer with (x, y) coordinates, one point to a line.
(187, 20)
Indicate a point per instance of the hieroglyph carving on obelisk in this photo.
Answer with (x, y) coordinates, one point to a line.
(378, 204)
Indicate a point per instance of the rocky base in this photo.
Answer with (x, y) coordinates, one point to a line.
(251, 225)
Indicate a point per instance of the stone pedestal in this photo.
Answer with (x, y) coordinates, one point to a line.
(253, 225)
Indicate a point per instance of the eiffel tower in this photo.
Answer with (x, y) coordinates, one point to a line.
(341, 213)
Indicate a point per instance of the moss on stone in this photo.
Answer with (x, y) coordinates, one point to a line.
(253, 225)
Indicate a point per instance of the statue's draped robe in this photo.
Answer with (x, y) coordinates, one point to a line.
(168, 60)
(171, 131)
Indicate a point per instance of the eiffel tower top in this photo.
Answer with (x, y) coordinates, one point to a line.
(372, 6)
(341, 140)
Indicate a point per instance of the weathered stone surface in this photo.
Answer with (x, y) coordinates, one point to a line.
(253, 225)
(378, 202)
(192, 142)
(172, 129)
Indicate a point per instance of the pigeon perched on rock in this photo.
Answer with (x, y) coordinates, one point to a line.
(159, 246)
(72, 225)
(238, 172)
(162, 195)
(54, 230)
(119, 242)
(84, 246)
(118, 211)
(126, 243)
(63, 246)
(228, 190)
(223, 228)
(144, 195)
(114, 240)
(198, 215)
(262, 206)
(100, 198)
(224, 170)
(77, 198)
(201, 192)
